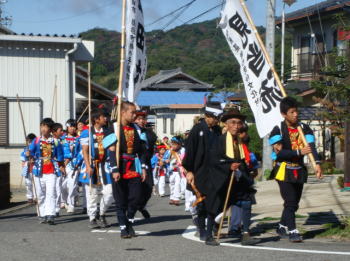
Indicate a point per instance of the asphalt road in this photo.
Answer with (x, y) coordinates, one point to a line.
(166, 236)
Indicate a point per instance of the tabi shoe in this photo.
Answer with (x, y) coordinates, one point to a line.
(103, 221)
(282, 231)
(210, 241)
(93, 224)
(234, 234)
(247, 240)
(145, 213)
(70, 210)
(295, 237)
(124, 233)
(130, 230)
(42, 220)
(57, 214)
(51, 220)
(176, 202)
(202, 235)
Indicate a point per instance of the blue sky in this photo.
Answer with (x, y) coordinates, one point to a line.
(75, 16)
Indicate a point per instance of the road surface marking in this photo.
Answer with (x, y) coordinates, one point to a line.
(190, 231)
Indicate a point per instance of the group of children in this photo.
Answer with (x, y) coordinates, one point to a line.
(55, 169)
(50, 168)
(167, 166)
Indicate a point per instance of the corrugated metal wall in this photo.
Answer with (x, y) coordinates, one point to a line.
(31, 113)
(29, 70)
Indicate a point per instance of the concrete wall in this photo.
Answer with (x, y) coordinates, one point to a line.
(12, 155)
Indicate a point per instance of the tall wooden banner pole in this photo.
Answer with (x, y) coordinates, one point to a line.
(90, 122)
(120, 85)
(25, 138)
(275, 74)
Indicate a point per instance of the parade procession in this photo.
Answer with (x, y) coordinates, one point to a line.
(115, 160)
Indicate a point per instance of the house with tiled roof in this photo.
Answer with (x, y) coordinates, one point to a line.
(174, 99)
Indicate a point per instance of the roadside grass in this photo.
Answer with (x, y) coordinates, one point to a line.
(337, 231)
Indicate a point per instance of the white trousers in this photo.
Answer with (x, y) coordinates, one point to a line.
(175, 186)
(183, 186)
(102, 195)
(46, 190)
(59, 181)
(29, 186)
(190, 198)
(161, 185)
(72, 187)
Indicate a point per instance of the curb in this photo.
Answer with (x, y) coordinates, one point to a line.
(14, 209)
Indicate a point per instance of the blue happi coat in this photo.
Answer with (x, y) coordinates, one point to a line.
(105, 164)
(72, 151)
(36, 153)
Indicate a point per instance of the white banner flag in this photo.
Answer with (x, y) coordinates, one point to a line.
(261, 88)
(135, 51)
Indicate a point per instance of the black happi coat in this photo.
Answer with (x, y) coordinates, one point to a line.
(138, 148)
(149, 151)
(197, 152)
(291, 156)
(219, 178)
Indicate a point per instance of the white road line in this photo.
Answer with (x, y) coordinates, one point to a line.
(190, 231)
(118, 231)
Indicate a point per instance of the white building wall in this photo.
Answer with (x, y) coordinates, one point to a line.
(305, 30)
(30, 69)
(183, 120)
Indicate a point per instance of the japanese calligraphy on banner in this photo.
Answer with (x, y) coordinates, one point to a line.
(135, 51)
(261, 88)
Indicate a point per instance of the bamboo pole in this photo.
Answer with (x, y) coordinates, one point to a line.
(25, 137)
(82, 114)
(120, 85)
(275, 74)
(54, 100)
(90, 123)
(226, 202)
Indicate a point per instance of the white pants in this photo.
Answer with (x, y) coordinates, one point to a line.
(29, 186)
(93, 196)
(59, 181)
(72, 187)
(190, 198)
(175, 186)
(161, 185)
(46, 192)
(183, 186)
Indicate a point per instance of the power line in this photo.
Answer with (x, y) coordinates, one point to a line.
(172, 12)
(201, 14)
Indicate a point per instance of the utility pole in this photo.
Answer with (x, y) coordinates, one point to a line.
(283, 40)
(270, 46)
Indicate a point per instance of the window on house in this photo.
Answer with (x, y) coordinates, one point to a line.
(164, 125)
(305, 44)
(172, 127)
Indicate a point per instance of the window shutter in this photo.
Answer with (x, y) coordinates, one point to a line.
(3, 122)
